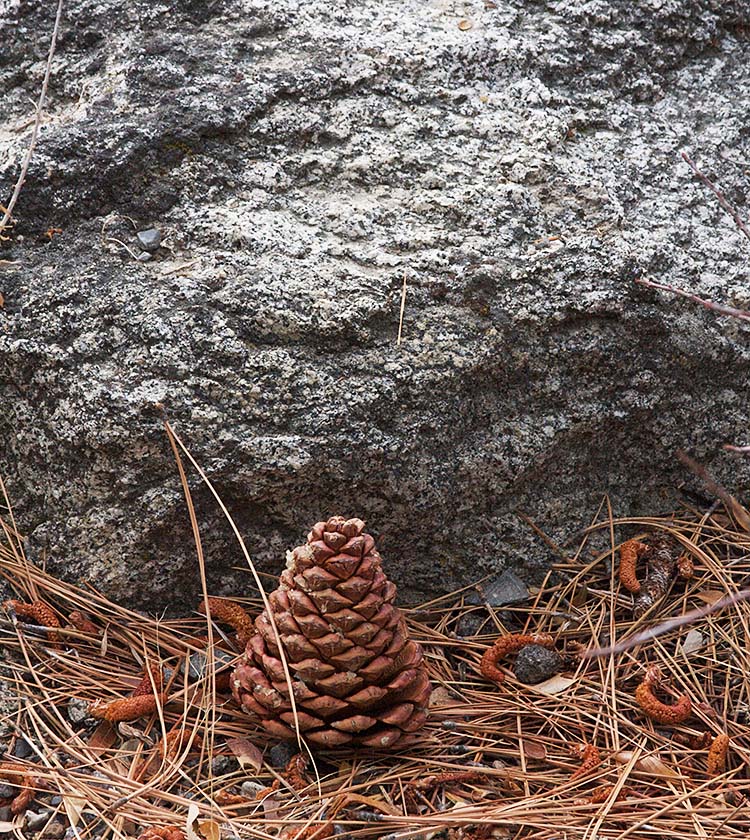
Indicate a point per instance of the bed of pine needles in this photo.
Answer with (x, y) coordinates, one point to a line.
(493, 760)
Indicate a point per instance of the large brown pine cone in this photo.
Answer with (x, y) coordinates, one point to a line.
(357, 677)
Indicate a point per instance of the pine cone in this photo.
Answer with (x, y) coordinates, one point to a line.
(357, 678)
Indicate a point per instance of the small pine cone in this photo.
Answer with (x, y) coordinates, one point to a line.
(661, 556)
(357, 678)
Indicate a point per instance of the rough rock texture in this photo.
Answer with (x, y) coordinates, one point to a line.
(535, 663)
(517, 162)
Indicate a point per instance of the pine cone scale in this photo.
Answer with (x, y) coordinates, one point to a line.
(357, 678)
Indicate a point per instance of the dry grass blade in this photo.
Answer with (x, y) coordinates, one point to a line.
(491, 757)
(719, 308)
(8, 211)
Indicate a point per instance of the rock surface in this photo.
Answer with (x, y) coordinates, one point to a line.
(517, 164)
(535, 664)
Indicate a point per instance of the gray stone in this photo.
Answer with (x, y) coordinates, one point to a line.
(55, 830)
(78, 710)
(149, 240)
(535, 663)
(198, 660)
(302, 160)
(22, 748)
(251, 789)
(281, 754)
(223, 765)
(6, 815)
(7, 790)
(36, 820)
(501, 590)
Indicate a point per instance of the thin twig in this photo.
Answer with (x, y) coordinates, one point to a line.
(37, 121)
(726, 206)
(730, 311)
(667, 626)
(401, 313)
(738, 511)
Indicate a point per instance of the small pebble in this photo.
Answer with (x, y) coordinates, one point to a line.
(251, 789)
(22, 748)
(535, 664)
(150, 239)
(506, 589)
(224, 764)
(36, 820)
(197, 662)
(281, 754)
(469, 624)
(78, 710)
(6, 790)
(144, 256)
(54, 831)
(6, 815)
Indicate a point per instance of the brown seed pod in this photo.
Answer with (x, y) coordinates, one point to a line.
(21, 776)
(40, 613)
(316, 831)
(83, 623)
(695, 742)
(127, 708)
(145, 686)
(430, 783)
(685, 567)
(717, 755)
(295, 771)
(163, 832)
(506, 645)
(630, 551)
(267, 791)
(661, 557)
(591, 758)
(21, 802)
(603, 792)
(225, 798)
(653, 708)
(141, 703)
(455, 777)
(233, 614)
